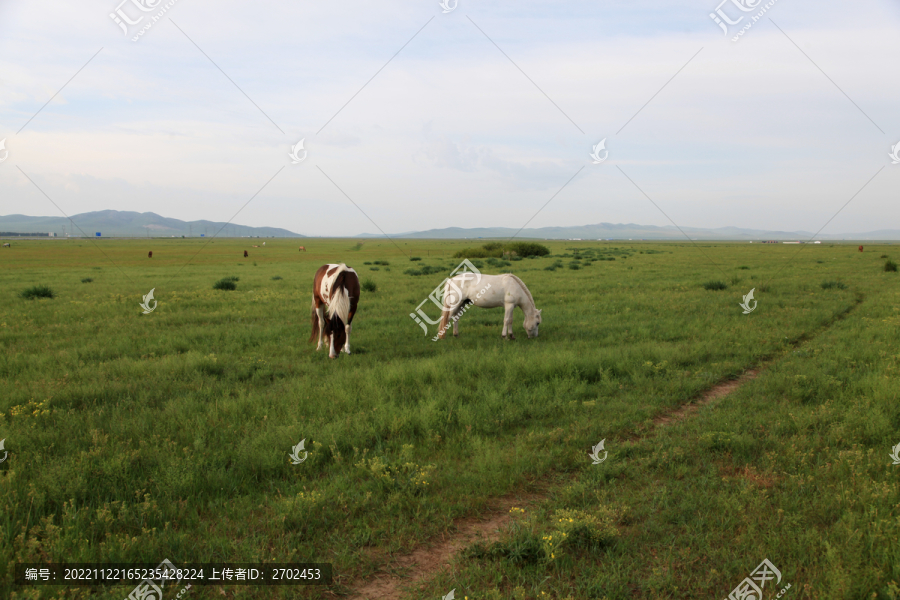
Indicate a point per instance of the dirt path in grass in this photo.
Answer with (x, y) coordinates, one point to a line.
(719, 391)
(422, 563)
(425, 562)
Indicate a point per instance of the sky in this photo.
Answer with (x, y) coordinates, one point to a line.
(484, 116)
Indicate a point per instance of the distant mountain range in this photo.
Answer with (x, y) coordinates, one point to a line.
(115, 223)
(603, 231)
(122, 223)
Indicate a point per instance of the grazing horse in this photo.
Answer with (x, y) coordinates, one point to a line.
(860, 248)
(489, 291)
(150, 254)
(302, 249)
(335, 289)
(245, 254)
(6, 245)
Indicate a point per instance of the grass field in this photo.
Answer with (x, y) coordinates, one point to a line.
(134, 438)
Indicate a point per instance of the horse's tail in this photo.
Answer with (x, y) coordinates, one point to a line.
(313, 320)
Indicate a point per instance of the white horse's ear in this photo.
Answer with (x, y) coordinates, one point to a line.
(539, 312)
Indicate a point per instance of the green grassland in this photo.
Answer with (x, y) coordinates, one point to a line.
(134, 438)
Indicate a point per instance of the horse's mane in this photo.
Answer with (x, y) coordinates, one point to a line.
(339, 303)
(522, 285)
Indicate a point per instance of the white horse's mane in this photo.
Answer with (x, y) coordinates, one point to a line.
(339, 302)
(522, 285)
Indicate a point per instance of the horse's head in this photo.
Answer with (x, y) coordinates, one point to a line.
(336, 335)
(531, 323)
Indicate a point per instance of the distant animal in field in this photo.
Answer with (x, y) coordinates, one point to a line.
(264, 243)
(245, 254)
(150, 254)
(335, 291)
(860, 248)
(256, 246)
(489, 291)
(6, 245)
(302, 249)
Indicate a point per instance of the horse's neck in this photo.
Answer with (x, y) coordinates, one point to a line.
(527, 304)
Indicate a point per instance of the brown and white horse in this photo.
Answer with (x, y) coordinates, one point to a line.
(335, 290)
(302, 249)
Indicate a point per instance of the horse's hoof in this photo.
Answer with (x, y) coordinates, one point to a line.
(512, 337)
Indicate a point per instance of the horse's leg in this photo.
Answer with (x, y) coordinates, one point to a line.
(508, 321)
(455, 316)
(347, 343)
(320, 311)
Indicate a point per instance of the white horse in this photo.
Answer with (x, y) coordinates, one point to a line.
(489, 291)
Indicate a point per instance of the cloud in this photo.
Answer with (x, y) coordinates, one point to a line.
(749, 133)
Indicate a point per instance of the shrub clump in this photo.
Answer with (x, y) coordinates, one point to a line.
(557, 265)
(423, 270)
(415, 258)
(87, 280)
(37, 291)
(890, 266)
(498, 249)
(827, 285)
(494, 262)
(579, 529)
(276, 278)
(715, 285)
(369, 286)
(226, 283)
